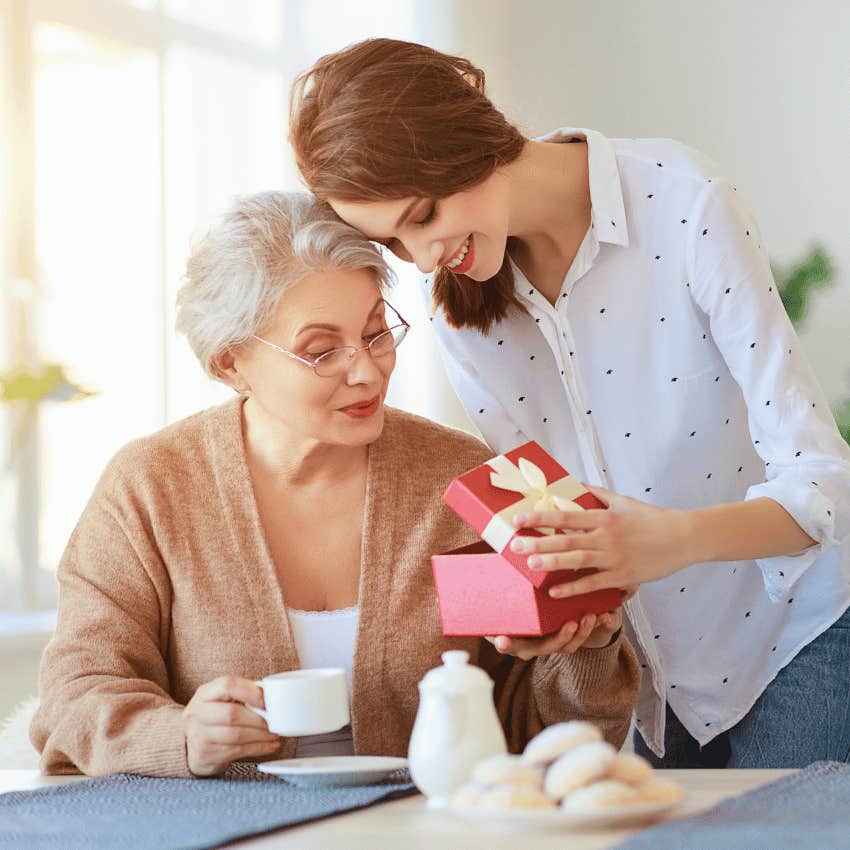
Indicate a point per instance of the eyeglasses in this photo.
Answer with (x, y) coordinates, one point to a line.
(334, 363)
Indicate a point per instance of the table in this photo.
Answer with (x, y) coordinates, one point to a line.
(409, 824)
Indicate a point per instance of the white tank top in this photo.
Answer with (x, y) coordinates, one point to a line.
(326, 639)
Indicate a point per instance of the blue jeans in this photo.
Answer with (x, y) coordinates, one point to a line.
(802, 716)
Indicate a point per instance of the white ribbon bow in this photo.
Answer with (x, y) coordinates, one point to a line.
(527, 479)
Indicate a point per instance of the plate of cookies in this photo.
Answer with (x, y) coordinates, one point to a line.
(567, 777)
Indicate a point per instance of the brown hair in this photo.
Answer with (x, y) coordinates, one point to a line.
(386, 119)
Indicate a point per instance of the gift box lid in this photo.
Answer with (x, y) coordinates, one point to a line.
(524, 479)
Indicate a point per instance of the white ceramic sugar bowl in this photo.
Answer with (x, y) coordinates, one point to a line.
(456, 726)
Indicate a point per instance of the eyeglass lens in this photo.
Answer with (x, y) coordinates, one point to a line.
(335, 362)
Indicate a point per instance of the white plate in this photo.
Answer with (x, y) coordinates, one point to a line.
(545, 820)
(334, 770)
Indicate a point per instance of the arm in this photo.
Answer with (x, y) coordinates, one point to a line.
(105, 701)
(803, 506)
(599, 685)
(742, 531)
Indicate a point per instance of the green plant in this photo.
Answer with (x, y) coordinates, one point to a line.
(796, 286)
(24, 388)
(23, 384)
(842, 418)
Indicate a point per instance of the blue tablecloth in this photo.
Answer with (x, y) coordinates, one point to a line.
(806, 810)
(147, 813)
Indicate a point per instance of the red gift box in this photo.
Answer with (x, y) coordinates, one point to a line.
(479, 593)
(488, 589)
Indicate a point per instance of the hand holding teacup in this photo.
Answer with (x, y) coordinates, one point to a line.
(220, 728)
(232, 718)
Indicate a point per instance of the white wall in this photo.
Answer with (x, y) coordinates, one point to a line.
(762, 86)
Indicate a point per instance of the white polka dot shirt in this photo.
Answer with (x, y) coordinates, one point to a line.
(668, 371)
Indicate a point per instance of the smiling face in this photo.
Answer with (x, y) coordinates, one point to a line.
(466, 232)
(328, 310)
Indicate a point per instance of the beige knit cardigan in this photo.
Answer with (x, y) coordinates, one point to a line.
(167, 583)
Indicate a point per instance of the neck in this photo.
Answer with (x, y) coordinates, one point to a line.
(293, 459)
(549, 196)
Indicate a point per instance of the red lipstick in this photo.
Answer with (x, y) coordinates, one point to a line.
(362, 409)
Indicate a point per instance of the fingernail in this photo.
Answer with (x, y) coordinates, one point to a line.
(518, 545)
(555, 592)
(502, 644)
(519, 519)
(535, 561)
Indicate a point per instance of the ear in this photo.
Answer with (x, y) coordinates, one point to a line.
(227, 369)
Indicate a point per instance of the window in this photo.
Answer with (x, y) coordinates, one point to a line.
(125, 125)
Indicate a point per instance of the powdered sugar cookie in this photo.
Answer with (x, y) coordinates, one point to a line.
(601, 795)
(468, 796)
(515, 797)
(507, 769)
(579, 767)
(630, 768)
(558, 739)
(660, 791)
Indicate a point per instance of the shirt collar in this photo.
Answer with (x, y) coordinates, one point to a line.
(608, 213)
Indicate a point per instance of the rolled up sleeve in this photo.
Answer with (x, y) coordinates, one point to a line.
(807, 463)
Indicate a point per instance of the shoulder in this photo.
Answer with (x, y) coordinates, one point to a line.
(172, 454)
(666, 159)
(676, 175)
(443, 453)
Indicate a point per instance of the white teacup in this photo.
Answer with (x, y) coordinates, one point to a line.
(305, 702)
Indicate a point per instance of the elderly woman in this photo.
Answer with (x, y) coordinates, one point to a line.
(291, 526)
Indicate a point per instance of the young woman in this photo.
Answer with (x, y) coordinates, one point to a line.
(612, 300)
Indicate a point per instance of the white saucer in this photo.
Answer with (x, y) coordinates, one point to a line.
(322, 771)
(546, 820)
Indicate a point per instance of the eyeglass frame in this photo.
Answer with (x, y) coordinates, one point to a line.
(314, 363)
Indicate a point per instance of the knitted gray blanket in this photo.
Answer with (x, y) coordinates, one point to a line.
(147, 813)
(807, 809)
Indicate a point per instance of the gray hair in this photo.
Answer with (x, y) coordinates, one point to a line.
(264, 244)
